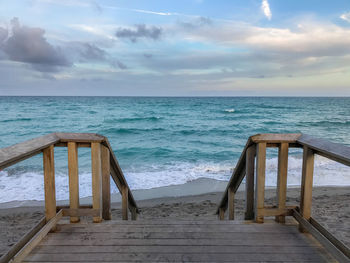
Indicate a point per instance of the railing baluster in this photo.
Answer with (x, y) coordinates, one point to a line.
(106, 183)
(260, 182)
(282, 179)
(231, 204)
(49, 182)
(96, 179)
(306, 184)
(249, 185)
(125, 196)
(73, 179)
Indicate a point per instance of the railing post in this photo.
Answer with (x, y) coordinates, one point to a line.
(249, 185)
(306, 184)
(133, 213)
(282, 179)
(231, 204)
(106, 183)
(260, 182)
(125, 201)
(49, 182)
(96, 180)
(221, 213)
(73, 179)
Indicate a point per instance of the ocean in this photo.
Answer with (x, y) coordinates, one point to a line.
(161, 141)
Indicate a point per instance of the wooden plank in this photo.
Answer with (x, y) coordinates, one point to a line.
(73, 175)
(125, 202)
(334, 151)
(337, 243)
(249, 184)
(24, 150)
(106, 184)
(24, 240)
(80, 137)
(339, 255)
(49, 182)
(306, 183)
(256, 249)
(231, 204)
(96, 168)
(282, 171)
(37, 238)
(260, 181)
(176, 257)
(280, 212)
(81, 212)
(276, 138)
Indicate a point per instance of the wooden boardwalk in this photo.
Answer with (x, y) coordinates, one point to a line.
(178, 241)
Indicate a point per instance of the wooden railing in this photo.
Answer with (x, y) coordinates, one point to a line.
(252, 165)
(103, 165)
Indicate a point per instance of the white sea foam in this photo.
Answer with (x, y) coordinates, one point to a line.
(29, 186)
(230, 110)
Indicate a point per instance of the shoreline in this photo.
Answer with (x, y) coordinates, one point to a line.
(197, 187)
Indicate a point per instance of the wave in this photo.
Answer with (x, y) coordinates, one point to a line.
(229, 110)
(15, 120)
(133, 119)
(29, 185)
(129, 130)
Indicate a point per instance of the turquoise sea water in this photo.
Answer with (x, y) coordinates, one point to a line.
(162, 141)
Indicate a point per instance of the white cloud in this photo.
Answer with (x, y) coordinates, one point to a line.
(346, 17)
(265, 7)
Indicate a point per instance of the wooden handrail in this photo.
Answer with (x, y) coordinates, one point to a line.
(21, 151)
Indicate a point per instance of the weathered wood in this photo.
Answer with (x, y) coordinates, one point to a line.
(282, 171)
(231, 204)
(49, 182)
(306, 183)
(80, 137)
(77, 212)
(221, 213)
(23, 241)
(278, 212)
(326, 242)
(73, 175)
(276, 138)
(35, 240)
(260, 181)
(24, 150)
(133, 213)
(334, 151)
(236, 178)
(96, 168)
(337, 243)
(249, 184)
(125, 202)
(106, 185)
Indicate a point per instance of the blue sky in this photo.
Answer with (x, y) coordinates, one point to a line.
(175, 48)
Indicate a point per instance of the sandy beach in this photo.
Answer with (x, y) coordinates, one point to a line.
(330, 207)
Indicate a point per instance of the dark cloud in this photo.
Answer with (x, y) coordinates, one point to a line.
(90, 52)
(140, 31)
(118, 64)
(28, 45)
(148, 55)
(3, 35)
(198, 22)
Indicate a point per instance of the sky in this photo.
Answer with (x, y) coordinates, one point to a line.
(175, 48)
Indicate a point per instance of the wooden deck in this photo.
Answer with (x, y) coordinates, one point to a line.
(178, 241)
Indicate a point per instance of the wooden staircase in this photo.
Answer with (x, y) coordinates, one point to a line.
(178, 241)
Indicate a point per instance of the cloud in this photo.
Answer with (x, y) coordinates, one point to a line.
(140, 31)
(346, 17)
(3, 35)
(28, 45)
(90, 52)
(118, 64)
(197, 22)
(265, 7)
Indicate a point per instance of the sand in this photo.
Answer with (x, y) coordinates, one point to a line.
(331, 207)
